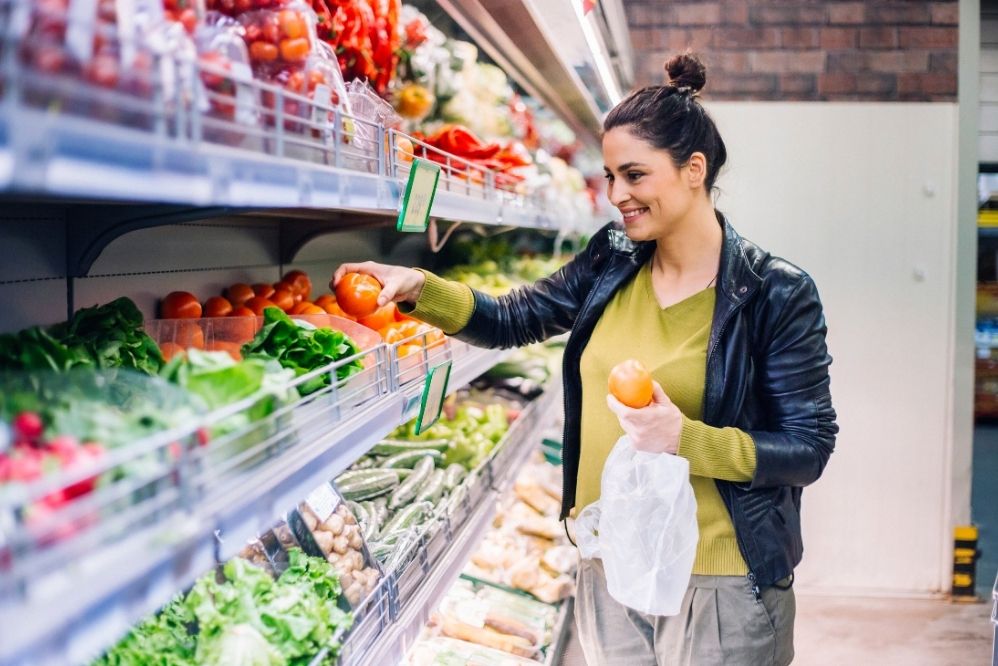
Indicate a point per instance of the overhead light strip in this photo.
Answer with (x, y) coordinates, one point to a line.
(600, 55)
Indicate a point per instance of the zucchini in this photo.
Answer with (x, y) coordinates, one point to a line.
(375, 518)
(454, 475)
(403, 472)
(389, 447)
(365, 462)
(382, 551)
(359, 512)
(432, 489)
(372, 483)
(410, 458)
(407, 490)
(408, 517)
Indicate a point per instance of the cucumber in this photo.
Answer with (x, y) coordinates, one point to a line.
(389, 447)
(366, 462)
(382, 551)
(375, 518)
(410, 458)
(403, 472)
(454, 475)
(432, 489)
(407, 490)
(359, 512)
(372, 483)
(412, 515)
(382, 502)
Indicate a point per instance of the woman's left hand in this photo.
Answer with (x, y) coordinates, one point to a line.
(655, 428)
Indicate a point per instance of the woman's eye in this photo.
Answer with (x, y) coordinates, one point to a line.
(608, 176)
(633, 175)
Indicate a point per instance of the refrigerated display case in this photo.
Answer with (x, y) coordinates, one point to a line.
(191, 168)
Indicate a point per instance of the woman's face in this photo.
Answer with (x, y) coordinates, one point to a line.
(645, 185)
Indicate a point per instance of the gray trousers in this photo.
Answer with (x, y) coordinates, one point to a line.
(720, 622)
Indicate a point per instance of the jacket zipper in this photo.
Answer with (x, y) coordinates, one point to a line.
(564, 396)
(741, 544)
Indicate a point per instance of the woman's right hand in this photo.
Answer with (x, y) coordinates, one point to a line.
(398, 283)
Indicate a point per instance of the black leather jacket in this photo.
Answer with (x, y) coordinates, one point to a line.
(767, 373)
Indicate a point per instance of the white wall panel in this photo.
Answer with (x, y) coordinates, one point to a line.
(862, 197)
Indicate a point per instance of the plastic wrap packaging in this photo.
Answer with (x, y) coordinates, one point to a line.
(326, 527)
(225, 76)
(494, 618)
(644, 528)
(125, 46)
(443, 651)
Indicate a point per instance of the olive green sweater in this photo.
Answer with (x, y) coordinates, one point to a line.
(672, 344)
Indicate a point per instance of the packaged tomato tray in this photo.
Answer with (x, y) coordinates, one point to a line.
(121, 47)
(226, 76)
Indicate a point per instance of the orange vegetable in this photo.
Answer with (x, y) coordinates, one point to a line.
(358, 294)
(283, 299)
(239, 293)
(263, 51)
(631, 384)
(380, 318)
(258, 303)
(295, 50)
(263, 289)
(217, 306)
(180, 305)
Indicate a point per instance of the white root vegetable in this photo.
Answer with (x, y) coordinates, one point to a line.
(311, 520)
(346, 580)
(358, 560)
(340, 545)
(325, 541)
(356, 542)
(334, 525)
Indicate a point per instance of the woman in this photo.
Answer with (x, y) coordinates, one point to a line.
(735, 339)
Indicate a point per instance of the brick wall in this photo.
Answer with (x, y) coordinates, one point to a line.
(804, 50)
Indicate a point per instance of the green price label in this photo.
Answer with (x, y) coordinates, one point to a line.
(418, 198)
(434, 392)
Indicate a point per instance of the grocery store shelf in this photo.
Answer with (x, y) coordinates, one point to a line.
(173, 160)
(503, 467)
(65, 602)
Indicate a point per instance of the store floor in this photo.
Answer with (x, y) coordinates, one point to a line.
(834, 631)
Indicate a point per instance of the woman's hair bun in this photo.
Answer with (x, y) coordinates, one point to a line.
(686, 71)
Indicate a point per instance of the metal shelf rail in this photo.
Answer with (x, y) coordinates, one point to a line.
(75, 580)
(433, 576)
(171, 139)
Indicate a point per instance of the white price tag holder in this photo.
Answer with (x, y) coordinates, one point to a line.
(434, 392)
(418, 197)
(323, 501)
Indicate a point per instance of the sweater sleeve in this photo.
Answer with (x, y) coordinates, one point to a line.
(717, 453)
(442, 303)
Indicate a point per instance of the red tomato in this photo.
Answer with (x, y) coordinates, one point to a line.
(263, 289)
(216, 306)
(171, 349)
(263, 51)
(283, 299)
(257, 305)
(300, 282)
(292, 24)
(239, 293)
(358, 294)
(189, 19)
(380, 318)
(180, 305)
(295, 50)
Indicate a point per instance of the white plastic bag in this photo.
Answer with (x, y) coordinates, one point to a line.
(644, 528)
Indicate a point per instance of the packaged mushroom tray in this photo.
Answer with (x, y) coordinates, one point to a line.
(527, 548)
(325, 527)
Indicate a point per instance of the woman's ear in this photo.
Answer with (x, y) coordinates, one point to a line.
(696, 170)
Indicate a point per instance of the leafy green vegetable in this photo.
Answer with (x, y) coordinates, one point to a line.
(299, 346)
(245, 619)
(107, 336)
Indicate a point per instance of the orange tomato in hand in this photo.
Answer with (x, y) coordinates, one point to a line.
(358, 294)
(380, 318)
(180, 305)
(216, 306)
(630, 383)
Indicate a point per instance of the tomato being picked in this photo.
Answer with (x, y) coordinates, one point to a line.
(358, 294)
(631, 384)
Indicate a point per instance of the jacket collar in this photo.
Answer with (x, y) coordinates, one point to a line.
(736, 277)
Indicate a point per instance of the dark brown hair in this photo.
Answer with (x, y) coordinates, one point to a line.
(671, 118)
